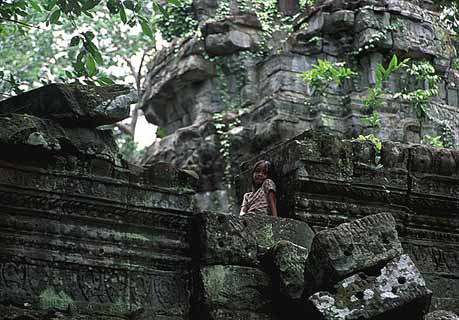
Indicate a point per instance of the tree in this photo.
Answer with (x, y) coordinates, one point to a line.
(43, 28)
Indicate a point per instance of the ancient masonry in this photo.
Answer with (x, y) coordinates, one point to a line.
(251, 76)
(364, 234)
(86, 235)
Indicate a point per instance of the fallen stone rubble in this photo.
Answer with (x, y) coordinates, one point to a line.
(355, 271)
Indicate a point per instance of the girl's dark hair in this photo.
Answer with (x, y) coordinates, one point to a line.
(271, 174)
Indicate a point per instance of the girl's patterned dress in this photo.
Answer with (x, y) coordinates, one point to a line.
(257, 201)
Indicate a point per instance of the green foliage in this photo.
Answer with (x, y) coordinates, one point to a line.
(224, 122)
(160, 132)
(270, 19)
(374, 97)
(177, 20)
(43, 41)
(373, 139)
(435, 141)
(450, 16)
(322, 74)
(422, 71)
(128, 148)
(377, 145)
(51, 299)
(382, 75)
(373, 120)
(447, 136)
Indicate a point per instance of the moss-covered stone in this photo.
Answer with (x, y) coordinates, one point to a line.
(73, 104)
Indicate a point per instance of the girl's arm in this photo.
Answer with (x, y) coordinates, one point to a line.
(272, 202)
(243, 206)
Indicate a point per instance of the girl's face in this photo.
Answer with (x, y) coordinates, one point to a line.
(260, 174)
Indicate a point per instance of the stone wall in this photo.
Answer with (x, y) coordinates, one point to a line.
(252, 75)
(83, 233)
(326, 181)
(86, 235)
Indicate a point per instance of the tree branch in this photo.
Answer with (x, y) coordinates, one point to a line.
(19, 22)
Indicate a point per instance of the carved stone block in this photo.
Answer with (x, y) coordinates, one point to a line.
(234, 290)
(398, 290)
(269, 230)
(289, 260)
(349, 248)
(71, 104)
(225, 239)
(441, 315)
(228, 43)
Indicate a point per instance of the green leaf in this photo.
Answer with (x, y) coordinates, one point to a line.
(106, 80)
(161, 132)
(75, 41)
(91, 65)
(122, 14)
(97, 57)
(89, 4)
(129, 4)
(146, 27)
(91, 47)
(50, 5)
(89, 35)
(174, 2)
(112, 6)
(393, 63)
(157, 7)
(54, 18)
(87, 13)
(35, 6)
(69, 74)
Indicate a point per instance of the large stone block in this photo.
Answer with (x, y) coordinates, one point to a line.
(234, 290)
(228, 43)
(225, 239)
(351, 247)
(48, 144)
(269, 230)
(441, 315)
(339, 21)
(288, 261)
(399, 291)
(99, 246)
(74, 104)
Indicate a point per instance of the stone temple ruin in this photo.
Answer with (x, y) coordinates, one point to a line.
(363, 234)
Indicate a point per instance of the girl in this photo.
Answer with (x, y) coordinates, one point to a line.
(262, 199)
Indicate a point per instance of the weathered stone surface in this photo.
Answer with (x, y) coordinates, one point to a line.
(225, 239)
(441, 315)
(96, 245)
(364, 30)
(175, 71)
(349, 248)
(229, 239)
(74, 104)
(234, 290)
(289, 260)
(397, 291)
(346, 180)
(52, 143)
(269, 230)
(339, 21)
(326, 188)
(224, 314)
(228, 43)
(197, 148)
